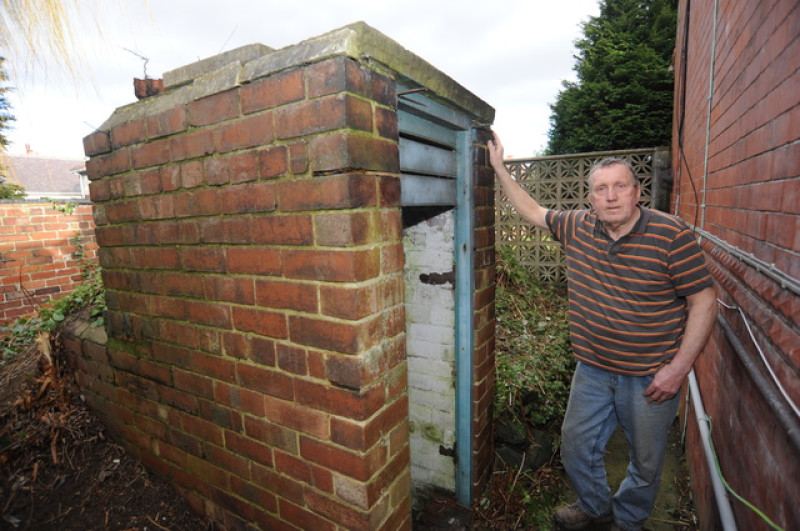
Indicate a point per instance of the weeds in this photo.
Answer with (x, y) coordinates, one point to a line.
(534, 362)
(89, 294)
(534, 365)
(65, 207)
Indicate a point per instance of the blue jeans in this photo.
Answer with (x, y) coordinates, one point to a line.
(599, 401)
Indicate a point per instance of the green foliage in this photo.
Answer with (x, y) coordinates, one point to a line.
(534, 361)
(67, 207)
(624, 93)
(87, 266)
(89, 295)
(534, 366)
(11, 191)
(5, 108)
(7, 190)
(520, 500)
(539, 496)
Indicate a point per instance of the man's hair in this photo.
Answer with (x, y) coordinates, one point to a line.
(612, 161)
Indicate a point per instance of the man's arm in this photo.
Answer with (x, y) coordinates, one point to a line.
(701, 314)
(524, 204)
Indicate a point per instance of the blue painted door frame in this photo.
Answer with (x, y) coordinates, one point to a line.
(436, 167)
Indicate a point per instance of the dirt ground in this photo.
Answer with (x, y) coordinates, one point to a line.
(59, 470)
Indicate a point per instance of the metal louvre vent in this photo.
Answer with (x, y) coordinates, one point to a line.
(427, 162)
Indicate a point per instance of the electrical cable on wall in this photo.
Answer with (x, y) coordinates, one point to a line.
(736, 495)
(772, 374)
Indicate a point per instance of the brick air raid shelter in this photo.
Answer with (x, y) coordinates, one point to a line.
(298, 254)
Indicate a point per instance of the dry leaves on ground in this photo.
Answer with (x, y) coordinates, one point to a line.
(60, 470)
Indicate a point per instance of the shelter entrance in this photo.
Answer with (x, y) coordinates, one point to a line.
(437, 240)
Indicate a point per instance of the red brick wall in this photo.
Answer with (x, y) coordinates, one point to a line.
(37, 260)
(253, 265)
(484, 321)
(753, 209)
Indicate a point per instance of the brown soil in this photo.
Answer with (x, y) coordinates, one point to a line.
(60, 470)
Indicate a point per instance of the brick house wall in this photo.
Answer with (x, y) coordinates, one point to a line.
(750, 229)
(38, 245)
(250, 233)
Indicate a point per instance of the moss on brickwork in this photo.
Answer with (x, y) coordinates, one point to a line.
(432, 433)
(429, 432)
(128, 347)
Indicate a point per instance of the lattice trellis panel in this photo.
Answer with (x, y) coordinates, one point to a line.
(560, 183)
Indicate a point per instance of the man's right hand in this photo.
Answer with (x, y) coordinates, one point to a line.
(524, 204)
(496, 153)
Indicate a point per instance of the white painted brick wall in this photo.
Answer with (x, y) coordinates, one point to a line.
(430, 348)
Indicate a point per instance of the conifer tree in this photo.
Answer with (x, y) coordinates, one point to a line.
(7, 190)
(623, 96)
(5, 107)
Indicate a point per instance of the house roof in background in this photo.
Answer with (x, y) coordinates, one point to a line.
(41, 174)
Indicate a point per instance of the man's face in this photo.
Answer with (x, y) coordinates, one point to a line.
(614, 195)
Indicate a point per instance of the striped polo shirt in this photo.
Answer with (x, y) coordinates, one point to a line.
(627, 297)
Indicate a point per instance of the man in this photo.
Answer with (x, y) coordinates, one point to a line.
(642, 306)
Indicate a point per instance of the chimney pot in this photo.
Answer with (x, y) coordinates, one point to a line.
(145, 88)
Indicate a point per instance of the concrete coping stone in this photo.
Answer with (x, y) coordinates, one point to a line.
(188, 73)
(82, 329)
(247, 63)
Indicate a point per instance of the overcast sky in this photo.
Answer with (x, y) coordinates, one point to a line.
(513, 54)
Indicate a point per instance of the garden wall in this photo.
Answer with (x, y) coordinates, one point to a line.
(41, 249)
